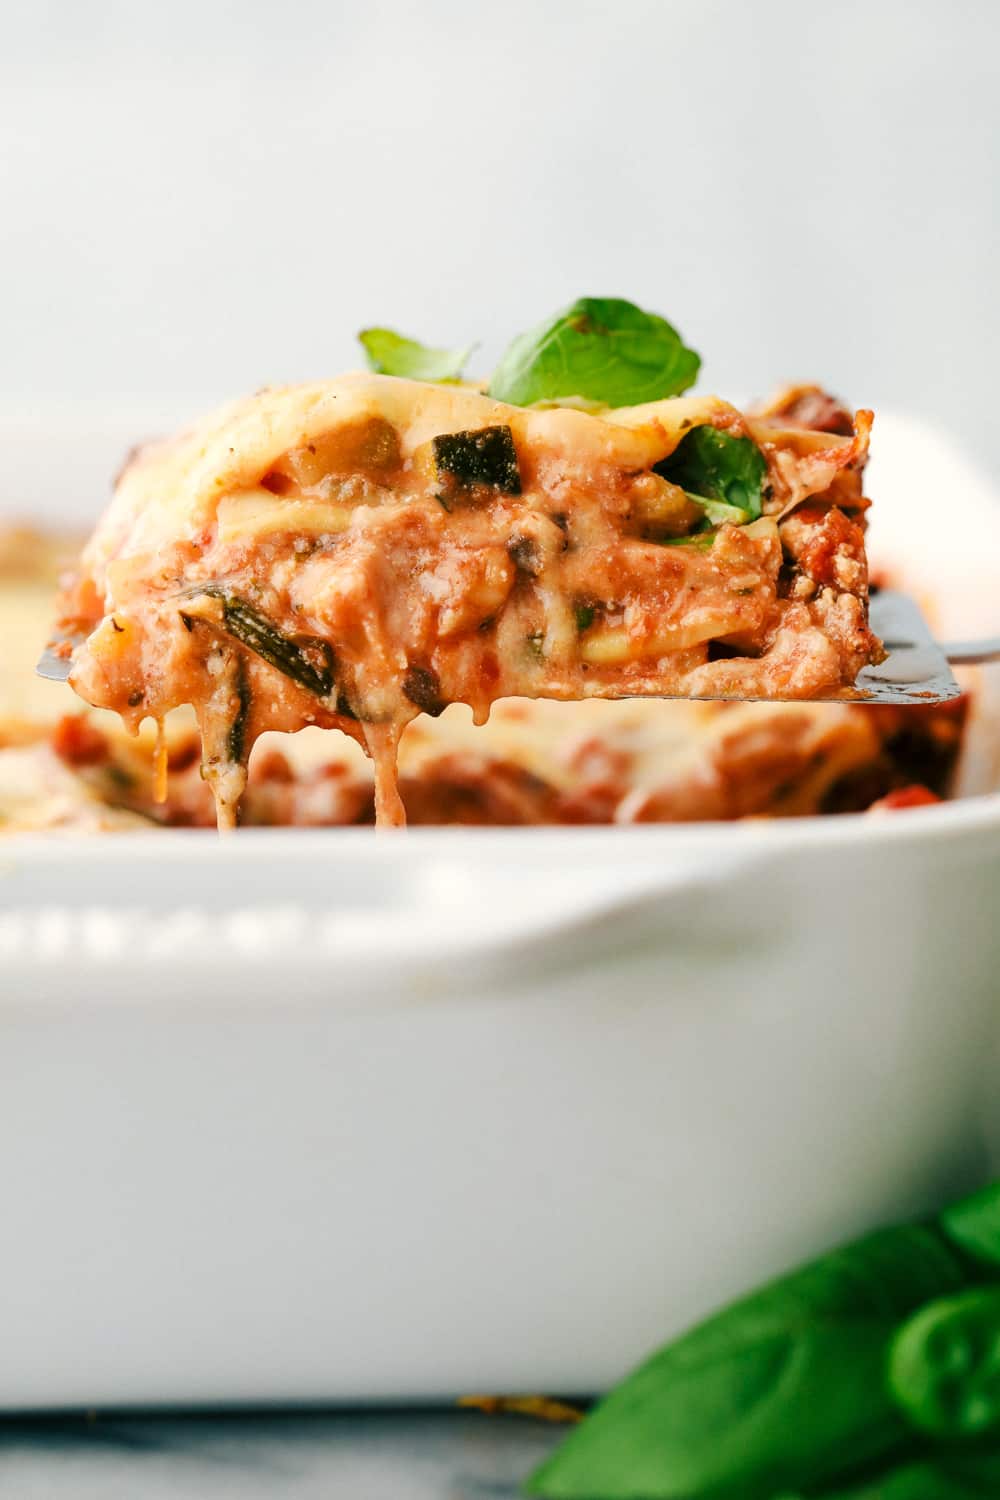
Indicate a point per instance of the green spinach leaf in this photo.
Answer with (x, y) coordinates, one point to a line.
(703, 541)
(602, 350)
(388, 353)
(717, 469)
(307, 660)
(944, 1366)
(783, 1390)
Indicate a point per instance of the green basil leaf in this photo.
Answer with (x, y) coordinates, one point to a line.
(781, 1391)
(389, 353)
(601, 350)
(965, 1476)
(944, 1366)
(973, 1224)
(714, 466)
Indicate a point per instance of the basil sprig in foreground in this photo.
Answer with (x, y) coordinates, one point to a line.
(968, 1475)
(601, 351)
(854, 1378)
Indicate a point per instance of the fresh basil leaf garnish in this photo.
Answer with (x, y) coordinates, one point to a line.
(973, 1224)
(947, 1476)
(389, 353)
(781, 1392)
(600, 349)
(717, 469)
(944, 1366)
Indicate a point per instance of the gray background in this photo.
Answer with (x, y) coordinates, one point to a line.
(201, 197)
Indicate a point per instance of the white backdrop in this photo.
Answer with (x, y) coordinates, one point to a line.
(197, 198)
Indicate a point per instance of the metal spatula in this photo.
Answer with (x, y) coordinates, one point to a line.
(917, 670)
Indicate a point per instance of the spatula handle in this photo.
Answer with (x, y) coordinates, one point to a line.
(969, 653)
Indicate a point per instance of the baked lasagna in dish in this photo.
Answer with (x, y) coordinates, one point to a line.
(67, 768)
(535, 764)
(354, 553)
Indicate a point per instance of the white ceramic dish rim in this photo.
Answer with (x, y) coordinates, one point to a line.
(403, 915)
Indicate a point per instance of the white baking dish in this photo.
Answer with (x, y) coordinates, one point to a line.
(338, 1116)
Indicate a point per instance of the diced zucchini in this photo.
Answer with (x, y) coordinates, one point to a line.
(367, 445)
(486, 457)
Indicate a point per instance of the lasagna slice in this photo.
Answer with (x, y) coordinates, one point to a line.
(353, 553)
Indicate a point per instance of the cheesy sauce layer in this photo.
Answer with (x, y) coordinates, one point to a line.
(355, 553)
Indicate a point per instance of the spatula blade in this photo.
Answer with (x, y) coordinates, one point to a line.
(916, 669)
(53, 666)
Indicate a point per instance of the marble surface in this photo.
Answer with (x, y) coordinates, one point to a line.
(438, 1455)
